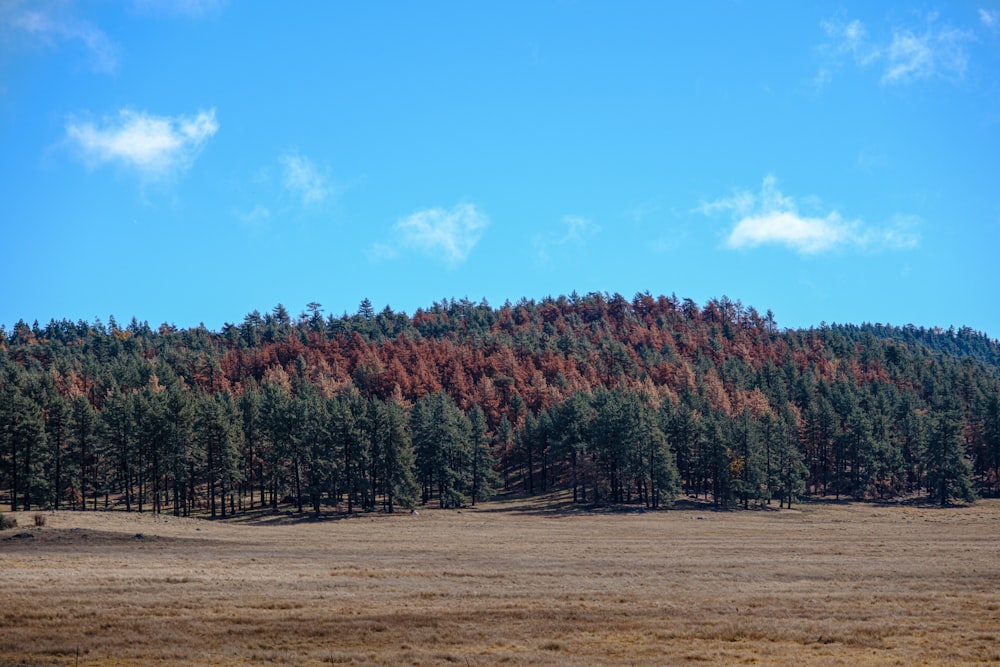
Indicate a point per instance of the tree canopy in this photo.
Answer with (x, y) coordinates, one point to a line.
(621, 401)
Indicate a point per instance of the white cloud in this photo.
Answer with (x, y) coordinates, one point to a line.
(445, 235)
(770, 217)
(990, 18)
(53, 30)
(574, 231)
(577, 230)
(257, 216)
(850, 39)
(153, 146)
(805, 234)
(901, 233)
(305, 180)
(868, 162)
(933, 53)
(822, 78)
(190, 8)
(906, 56)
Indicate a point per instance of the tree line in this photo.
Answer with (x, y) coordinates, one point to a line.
(615, 401)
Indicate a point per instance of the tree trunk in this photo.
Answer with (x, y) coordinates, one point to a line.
(298, 488)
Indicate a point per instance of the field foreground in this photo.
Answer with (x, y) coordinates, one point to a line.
(508, 583)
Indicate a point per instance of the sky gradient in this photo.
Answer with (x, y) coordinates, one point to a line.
(189, 162)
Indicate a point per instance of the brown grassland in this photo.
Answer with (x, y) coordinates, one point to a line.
(511, 582)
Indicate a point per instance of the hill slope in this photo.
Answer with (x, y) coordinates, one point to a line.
(618, 400)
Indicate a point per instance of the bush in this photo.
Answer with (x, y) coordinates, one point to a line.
(7, 522)
(39, 520)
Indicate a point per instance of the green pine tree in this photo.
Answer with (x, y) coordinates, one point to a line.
(949, 474)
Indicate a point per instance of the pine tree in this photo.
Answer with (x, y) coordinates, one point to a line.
(22, 435)
(180, 455)
(250, 422)
(119, 435)
(747, 467)
(789, 472)
(991, 437)
(83, 428)
(715, 458)
(660, 468)
(440, 436)
(503, 442)
(571, 422)
(681, 428)
(483, 479)
(62, 470)
(347, 412)
(949, 474)
(216, 431)
(393, 450)
(313, 444)
(277, 427)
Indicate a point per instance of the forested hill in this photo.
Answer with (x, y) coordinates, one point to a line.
(964, 342)
(618, 401)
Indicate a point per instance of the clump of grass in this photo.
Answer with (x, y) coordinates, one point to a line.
(39, 519)
(7, 521)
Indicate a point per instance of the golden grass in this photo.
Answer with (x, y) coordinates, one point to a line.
(827, 584)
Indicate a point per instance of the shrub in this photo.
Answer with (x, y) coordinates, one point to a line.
(39, 520)
(7, 521)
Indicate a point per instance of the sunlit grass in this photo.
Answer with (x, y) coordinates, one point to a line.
(828, 584)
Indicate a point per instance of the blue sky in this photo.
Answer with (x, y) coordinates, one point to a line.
(191, 161)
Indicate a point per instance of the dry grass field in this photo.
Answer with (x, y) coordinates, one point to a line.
(508, 583)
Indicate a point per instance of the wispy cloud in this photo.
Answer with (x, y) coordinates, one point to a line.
(907, 55)
(304, 179)
(573, 232)
(932, 53)
(990, 18)
(256, 216)
(54, 29)
(868, 162)
(153, 146)
(444, 235)
(769, 217)
(255, 220)
(189, 8)
(849, 39)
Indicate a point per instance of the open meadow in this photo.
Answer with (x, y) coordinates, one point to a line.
(511, 582)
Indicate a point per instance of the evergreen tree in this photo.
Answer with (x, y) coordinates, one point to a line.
(571, 422)
(949, 474)
(714, 460)
(251, 424)
(682, 430)
(748, 462)
(153, 442)
(58, 429)
(440, 436)
(278, 429)
(216, 431)
(660, 476)
(83, 427)
(22, 435)
(990, 420)
(314, 445)
(789, 472)
(394, 452)
(482, 474)
(180, 455)
(348, 412)
(119, 435)
(503, 442)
